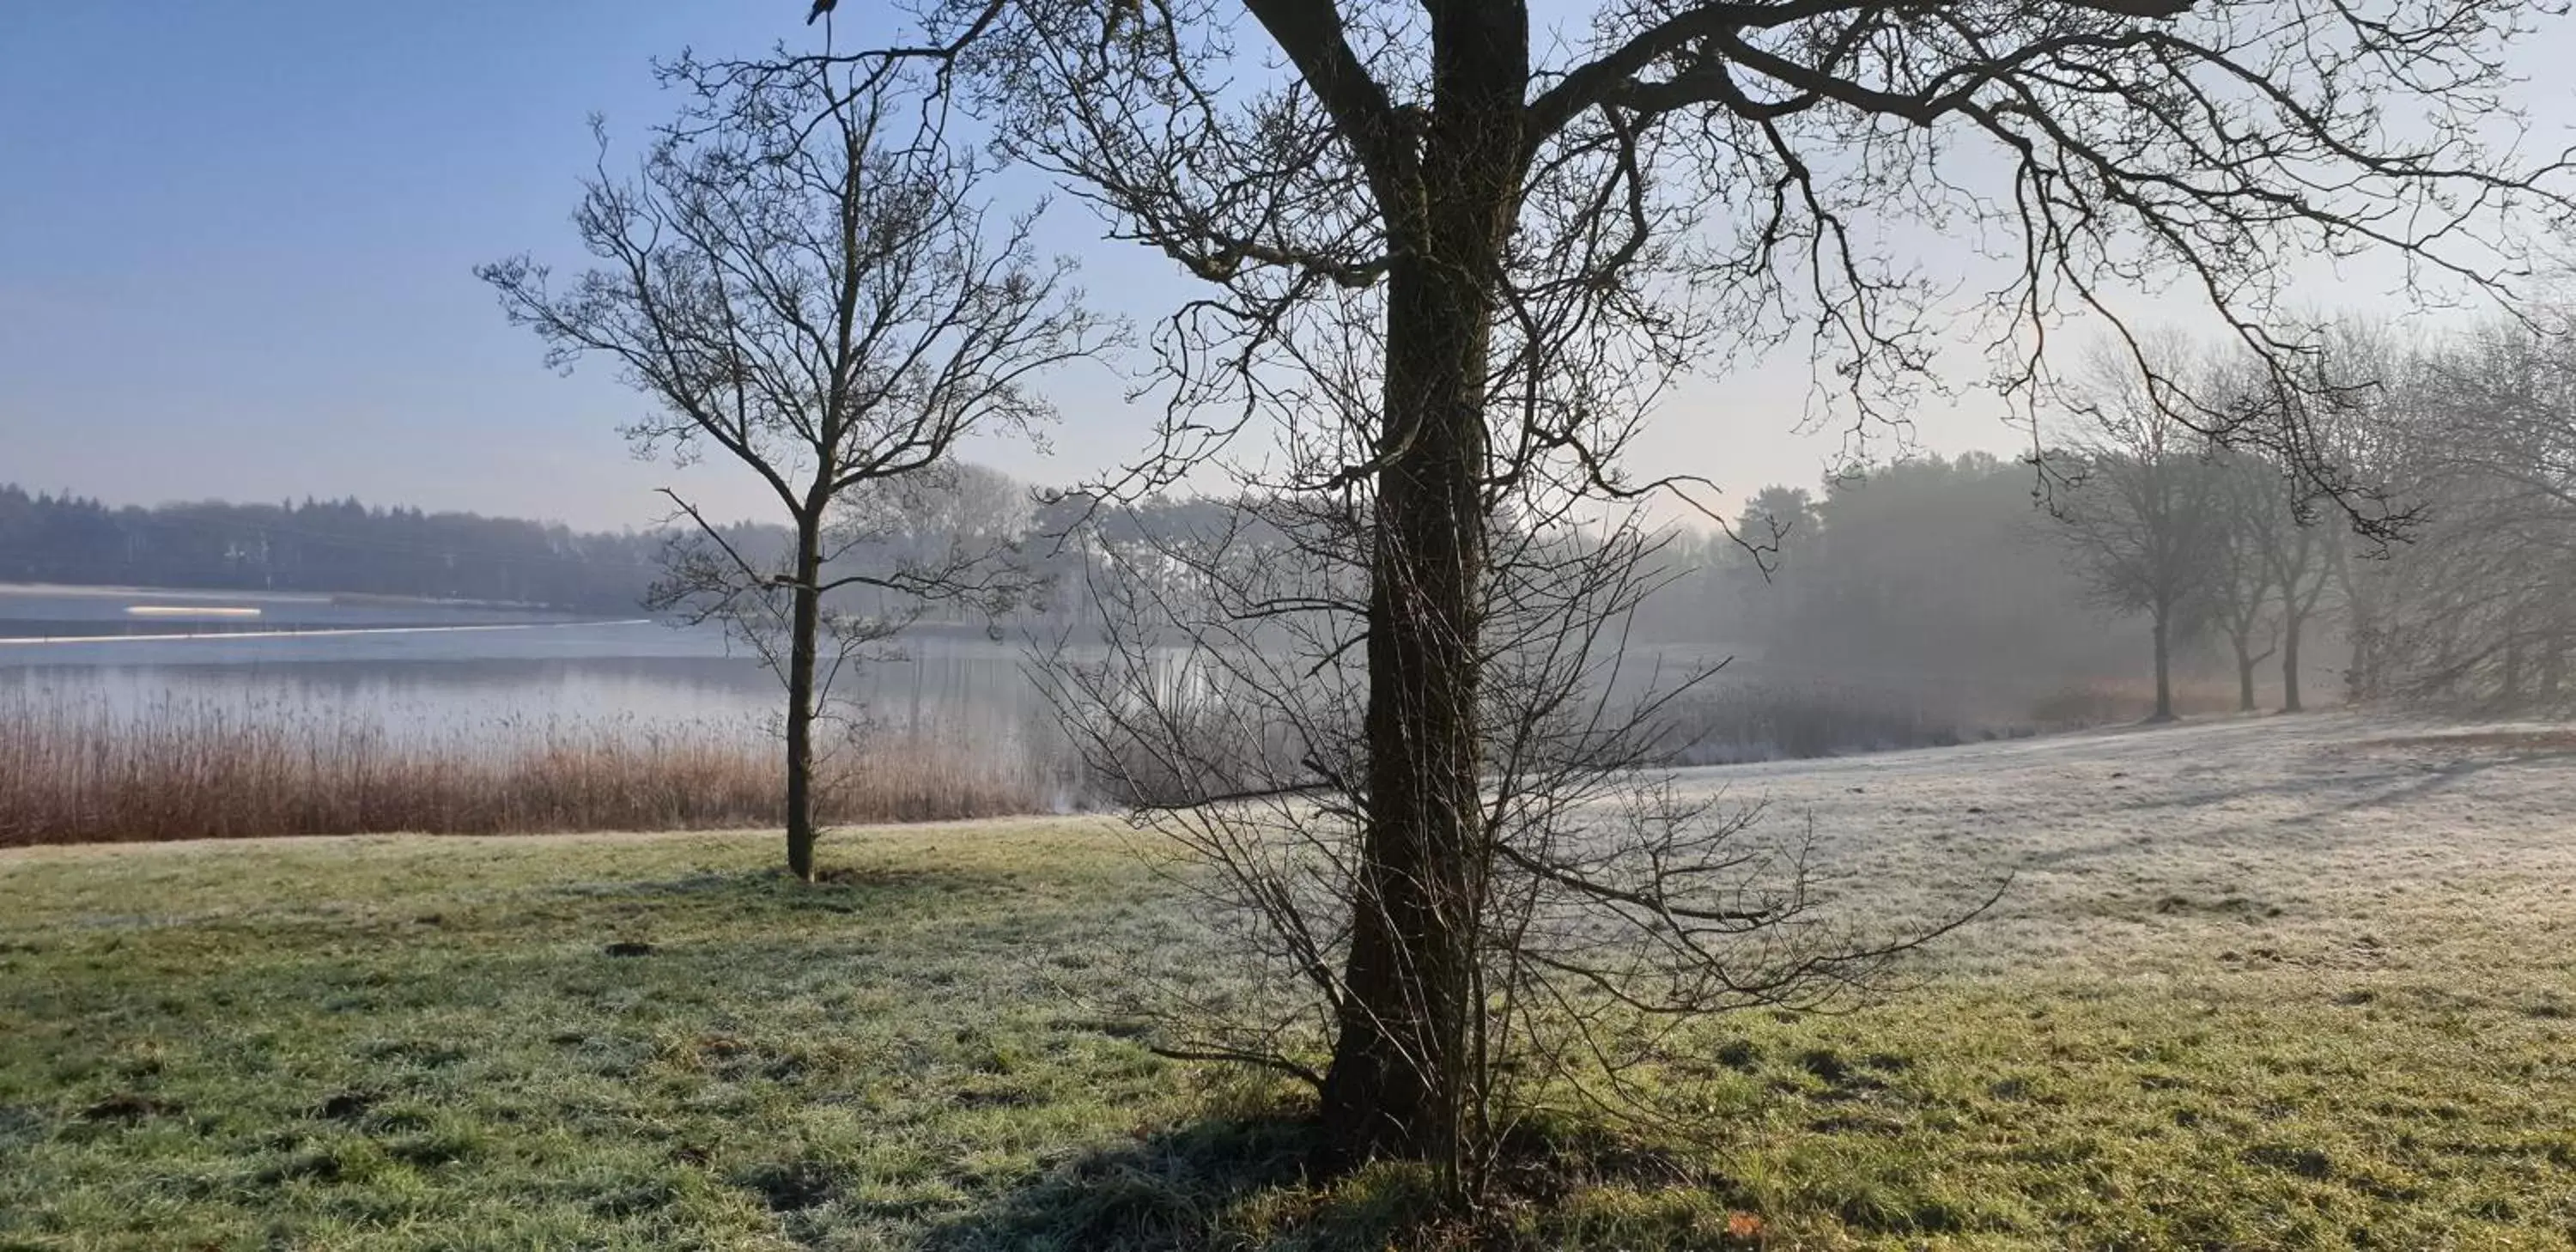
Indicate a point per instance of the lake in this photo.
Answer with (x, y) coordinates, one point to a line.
(498, 675)
(438, 668)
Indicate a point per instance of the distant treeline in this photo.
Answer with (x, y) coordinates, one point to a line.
(321, 546)
(2457, 446)
(1926, 569)
(348, 547)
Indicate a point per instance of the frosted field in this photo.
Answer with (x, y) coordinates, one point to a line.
(2323, 842)
(2277, 983)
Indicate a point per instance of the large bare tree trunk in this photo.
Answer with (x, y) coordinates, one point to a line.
(1402, 1078)
(2292, 621)
(2164, 670)
(2245, 678)
(805, 623)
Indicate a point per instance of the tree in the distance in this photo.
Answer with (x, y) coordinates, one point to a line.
(802, 278)
(2345, 413)
(2283, 542)
(2244, 490)
(2480, 612)
(2299, 549)
(2143, 515)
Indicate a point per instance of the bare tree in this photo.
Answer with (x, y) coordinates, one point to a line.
(1229, 708)
(2241, 601)
(2279, 555)
(2380, 436)
(1677, 183)
(2303, 542)
(2280, 541)
(2482, 609)
(2299, 552)
(802, 277)
(2144, 519)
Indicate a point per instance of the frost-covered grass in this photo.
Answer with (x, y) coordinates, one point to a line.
(2276, 983)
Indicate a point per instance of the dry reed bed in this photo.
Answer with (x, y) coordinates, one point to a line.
(204, 772)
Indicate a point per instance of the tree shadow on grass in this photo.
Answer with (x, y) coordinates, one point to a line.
(1167, 1191)
(833, 891)
(2388, 781)
(2381, 786)
(1242, 1183)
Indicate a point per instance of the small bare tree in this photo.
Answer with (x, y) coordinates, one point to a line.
(802, 276)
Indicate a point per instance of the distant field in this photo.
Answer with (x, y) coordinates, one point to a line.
(2285, 983)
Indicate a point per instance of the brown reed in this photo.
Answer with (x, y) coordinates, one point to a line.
(205, 771)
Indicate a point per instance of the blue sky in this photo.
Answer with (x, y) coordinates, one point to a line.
(236, 243)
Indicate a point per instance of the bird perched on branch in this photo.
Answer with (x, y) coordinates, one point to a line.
(821, 7)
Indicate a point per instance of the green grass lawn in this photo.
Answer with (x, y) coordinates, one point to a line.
(417, 1043)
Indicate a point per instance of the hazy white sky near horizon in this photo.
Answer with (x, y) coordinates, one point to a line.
(235, 244)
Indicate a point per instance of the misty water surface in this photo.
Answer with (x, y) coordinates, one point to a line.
(438, 668)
